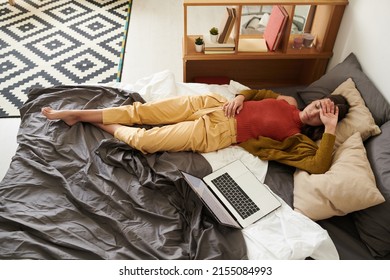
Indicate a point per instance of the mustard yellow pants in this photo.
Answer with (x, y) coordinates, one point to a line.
(186, 123)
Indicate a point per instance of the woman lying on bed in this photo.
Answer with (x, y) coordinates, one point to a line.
(263, 122)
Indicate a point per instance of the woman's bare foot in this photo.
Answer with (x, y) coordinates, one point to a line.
(65, 115)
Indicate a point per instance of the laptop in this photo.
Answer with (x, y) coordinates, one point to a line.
(234, 195)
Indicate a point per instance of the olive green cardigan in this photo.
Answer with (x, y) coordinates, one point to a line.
(298, 151)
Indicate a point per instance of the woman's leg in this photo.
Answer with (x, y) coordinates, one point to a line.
(166, 111)
(72, 117)
(208, 133)
(110, 128)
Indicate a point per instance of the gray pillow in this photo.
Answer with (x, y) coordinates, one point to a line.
(349, 68)
(373, 224)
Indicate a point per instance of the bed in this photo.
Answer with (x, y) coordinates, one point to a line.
(77, 193)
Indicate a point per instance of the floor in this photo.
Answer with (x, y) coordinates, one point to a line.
(153, 45)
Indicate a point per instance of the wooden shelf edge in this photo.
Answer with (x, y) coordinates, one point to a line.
(257, 56)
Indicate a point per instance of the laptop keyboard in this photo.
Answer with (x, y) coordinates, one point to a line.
(235, 195)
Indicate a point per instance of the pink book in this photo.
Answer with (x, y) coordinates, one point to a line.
(275, 26)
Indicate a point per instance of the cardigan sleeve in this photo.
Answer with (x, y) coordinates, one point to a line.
(254, 94)
(321, 161)
(298, 151)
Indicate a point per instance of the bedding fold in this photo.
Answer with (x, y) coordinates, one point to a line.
(78, 193)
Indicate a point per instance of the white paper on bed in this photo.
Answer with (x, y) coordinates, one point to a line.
(284, 234)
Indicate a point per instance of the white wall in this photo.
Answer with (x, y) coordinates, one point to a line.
(365, 31)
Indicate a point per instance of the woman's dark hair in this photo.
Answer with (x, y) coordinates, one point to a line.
(315, 132)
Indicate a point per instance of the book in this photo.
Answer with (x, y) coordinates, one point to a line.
(218, 51)
(224, 26)
(252, 45)
(281, 32)
(234, 12)
(209, 45)
(227, 25)
(217, 48)
(275, 26)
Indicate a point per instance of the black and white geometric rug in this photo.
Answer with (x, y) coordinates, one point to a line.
(50, 42)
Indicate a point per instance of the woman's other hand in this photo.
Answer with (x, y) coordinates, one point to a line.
(234, 106)
(329, 115)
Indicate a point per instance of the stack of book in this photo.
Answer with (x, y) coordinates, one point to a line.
(225, 43)
(218, 48)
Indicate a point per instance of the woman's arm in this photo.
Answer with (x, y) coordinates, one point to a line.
(321, 160)
(234, 106)
(298, 151)
(329, 114)
(254, 94)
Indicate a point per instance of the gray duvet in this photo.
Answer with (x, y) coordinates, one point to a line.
(77, 193)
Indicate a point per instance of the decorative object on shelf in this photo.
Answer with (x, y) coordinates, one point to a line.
(199, 44)
(298, 43)
(214, 34)
(308, 40)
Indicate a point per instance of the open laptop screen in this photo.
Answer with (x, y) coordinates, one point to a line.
(209, 199)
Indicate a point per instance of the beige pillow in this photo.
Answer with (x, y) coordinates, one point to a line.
(359, 117)
(348, 186)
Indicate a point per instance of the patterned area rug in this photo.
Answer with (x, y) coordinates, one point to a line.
(50, 42)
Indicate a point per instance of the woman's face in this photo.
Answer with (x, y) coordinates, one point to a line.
(311, 114)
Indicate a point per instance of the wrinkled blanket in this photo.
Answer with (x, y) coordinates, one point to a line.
(77, 193)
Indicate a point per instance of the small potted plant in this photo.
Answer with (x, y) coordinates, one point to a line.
(199, 44)
(214, 34)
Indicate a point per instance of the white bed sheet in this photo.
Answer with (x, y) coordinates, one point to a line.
(283, 234)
